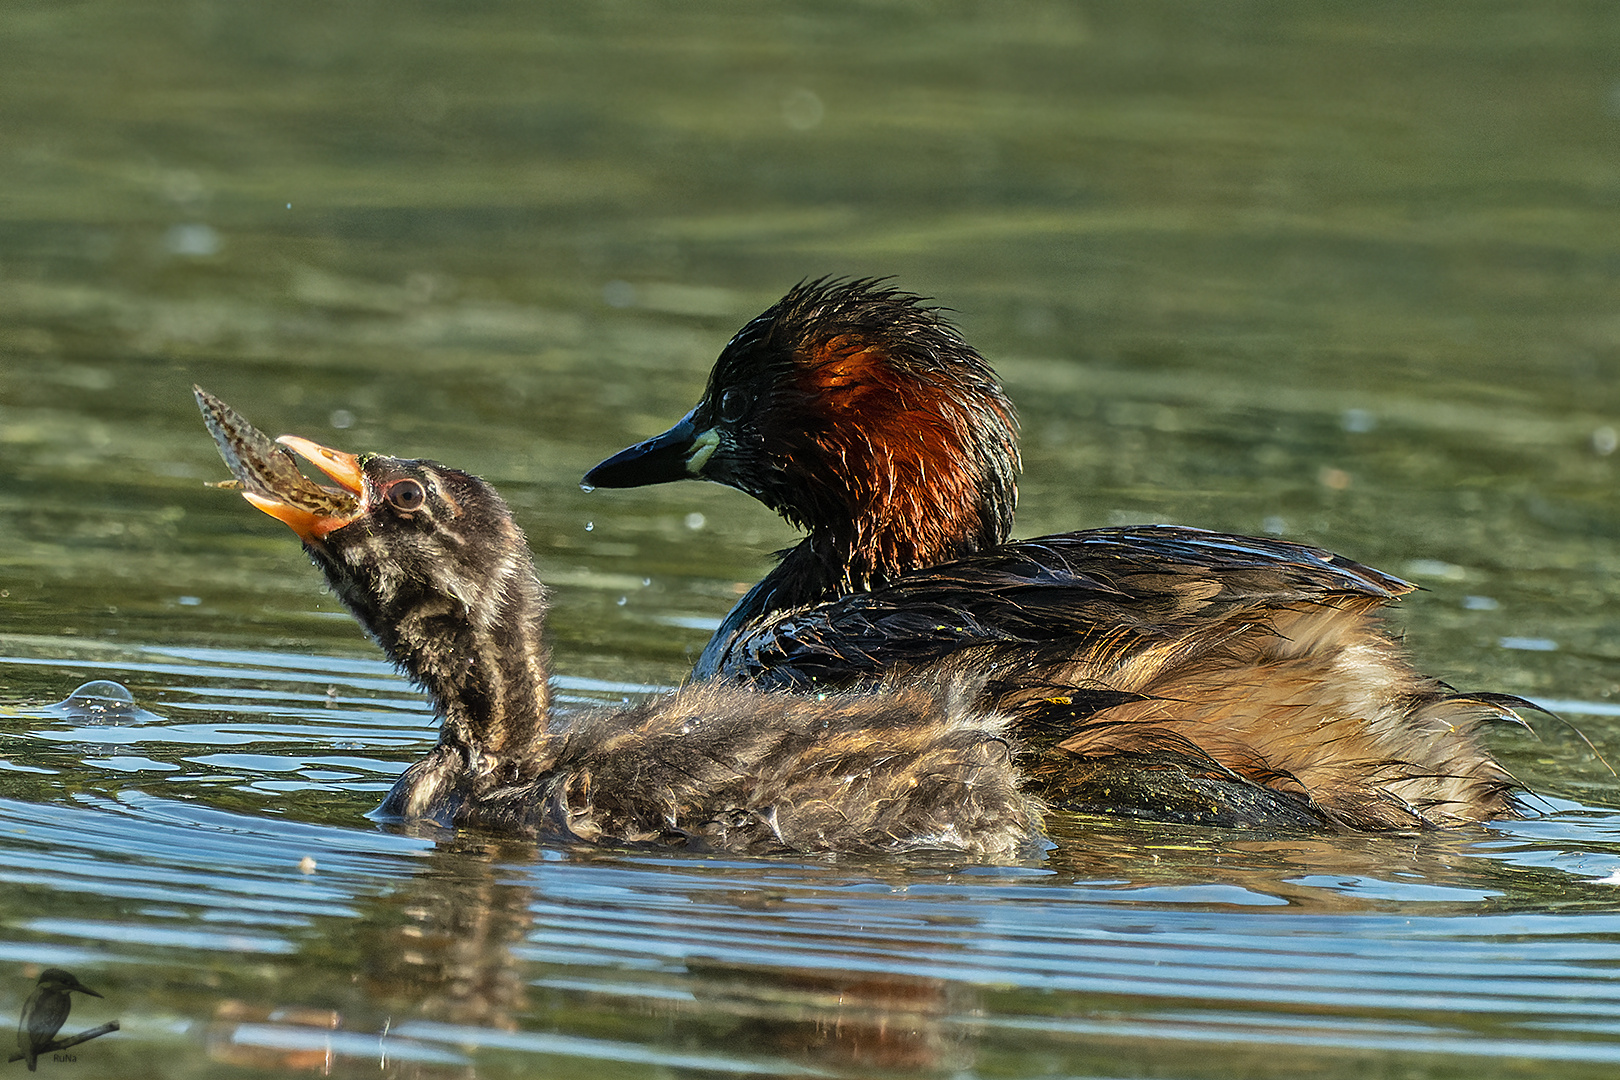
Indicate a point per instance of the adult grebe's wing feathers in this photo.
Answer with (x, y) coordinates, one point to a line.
(1074, 588)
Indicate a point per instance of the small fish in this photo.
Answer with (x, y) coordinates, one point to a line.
(264, 467)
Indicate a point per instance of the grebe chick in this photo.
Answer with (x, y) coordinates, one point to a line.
(1161, 672)
(432, 564)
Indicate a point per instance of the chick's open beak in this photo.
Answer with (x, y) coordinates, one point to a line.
(313, 519)
(269, 477)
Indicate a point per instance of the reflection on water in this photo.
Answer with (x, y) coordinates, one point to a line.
(1341, 276)
(238, 913)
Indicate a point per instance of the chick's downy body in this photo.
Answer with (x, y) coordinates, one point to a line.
(431, 562)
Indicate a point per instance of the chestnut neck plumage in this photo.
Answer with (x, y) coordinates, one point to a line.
(894, 445)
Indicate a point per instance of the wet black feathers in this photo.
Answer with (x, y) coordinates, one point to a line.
(1068, 590)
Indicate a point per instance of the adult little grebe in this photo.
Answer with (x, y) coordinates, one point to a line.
(1155, 671)
(432, 564)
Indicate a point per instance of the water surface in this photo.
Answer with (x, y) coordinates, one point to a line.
(1347, 277)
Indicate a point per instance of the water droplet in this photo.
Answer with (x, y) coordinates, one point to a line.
(1529, 644)
(1359, 421)
(1435, 568)
(623, 600)
(695, 521)
(189, 601)
(342, 419)
(194, 240)
(1336, 479)
(590, 526)
(802, 109)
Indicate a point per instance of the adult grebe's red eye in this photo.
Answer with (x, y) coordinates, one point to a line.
(406, 495)
(734, 405)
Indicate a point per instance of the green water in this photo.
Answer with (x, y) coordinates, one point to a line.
(1347, 274)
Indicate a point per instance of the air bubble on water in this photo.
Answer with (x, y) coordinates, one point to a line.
(102, 701)
(103, 690)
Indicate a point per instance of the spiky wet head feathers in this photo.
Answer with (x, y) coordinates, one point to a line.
(859, 413)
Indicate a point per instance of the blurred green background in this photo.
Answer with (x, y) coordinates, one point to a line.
(1342, 273)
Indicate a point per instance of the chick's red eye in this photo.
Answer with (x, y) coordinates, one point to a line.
(406, 495)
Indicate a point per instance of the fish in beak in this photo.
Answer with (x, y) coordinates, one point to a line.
(268, 476)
